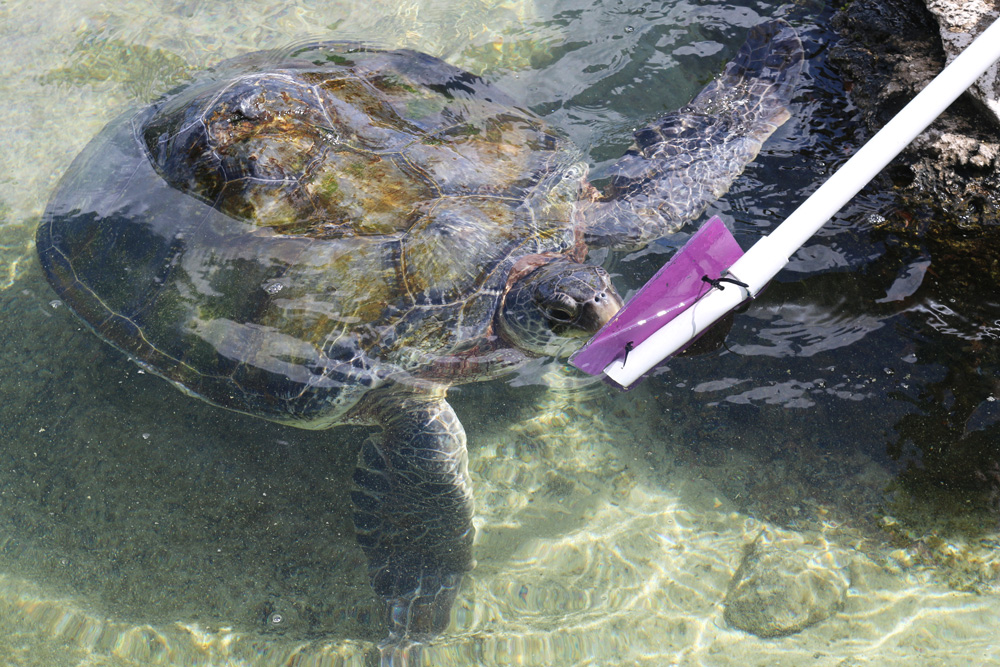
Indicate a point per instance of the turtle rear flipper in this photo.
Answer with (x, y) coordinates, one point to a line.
(687, 159)
(414, 508)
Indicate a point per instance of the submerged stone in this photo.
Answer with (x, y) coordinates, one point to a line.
(784, 587)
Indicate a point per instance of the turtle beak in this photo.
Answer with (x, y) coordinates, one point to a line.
(597, 311)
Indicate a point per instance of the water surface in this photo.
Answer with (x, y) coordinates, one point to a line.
(853, 403)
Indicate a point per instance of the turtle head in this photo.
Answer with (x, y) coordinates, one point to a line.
(551, 309)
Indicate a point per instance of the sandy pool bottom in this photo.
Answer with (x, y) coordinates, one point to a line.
(142, 527)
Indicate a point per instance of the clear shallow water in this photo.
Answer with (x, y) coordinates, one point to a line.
(139, 526)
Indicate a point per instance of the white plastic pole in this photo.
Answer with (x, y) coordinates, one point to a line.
(770, 254)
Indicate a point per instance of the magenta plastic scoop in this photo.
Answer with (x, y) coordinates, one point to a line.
(677, 285)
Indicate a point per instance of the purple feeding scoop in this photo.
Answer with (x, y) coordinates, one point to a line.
(710, 252)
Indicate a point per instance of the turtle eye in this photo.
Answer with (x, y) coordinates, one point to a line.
(562, 309)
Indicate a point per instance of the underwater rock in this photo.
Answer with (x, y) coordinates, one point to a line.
(889, 50)
(785, 585)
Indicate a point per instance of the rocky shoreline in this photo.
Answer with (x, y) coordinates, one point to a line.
(889, 50)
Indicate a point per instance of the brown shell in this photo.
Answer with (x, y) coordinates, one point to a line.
(278, 239)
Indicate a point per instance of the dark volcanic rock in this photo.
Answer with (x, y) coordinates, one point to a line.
(889, 50)
(960, 22)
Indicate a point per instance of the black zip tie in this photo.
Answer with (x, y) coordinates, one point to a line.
(629, 346)
(717, 283)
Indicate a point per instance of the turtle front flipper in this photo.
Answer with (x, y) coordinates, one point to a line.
(413, 509)
(685, 160)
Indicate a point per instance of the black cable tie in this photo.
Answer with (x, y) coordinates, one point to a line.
(717, 283)
(628, 348)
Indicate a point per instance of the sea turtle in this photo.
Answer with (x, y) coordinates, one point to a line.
(338, 235)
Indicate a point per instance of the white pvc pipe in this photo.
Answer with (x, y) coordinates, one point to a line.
(770, 254)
